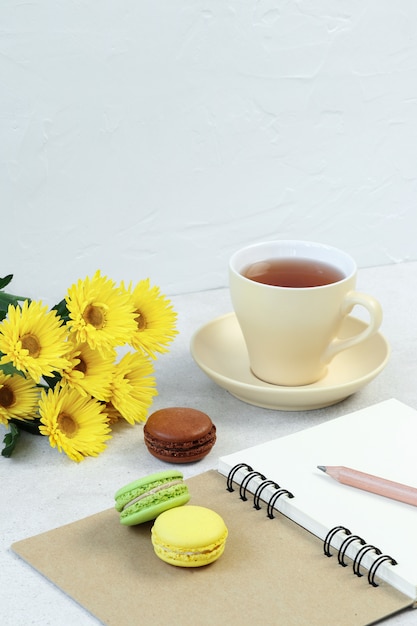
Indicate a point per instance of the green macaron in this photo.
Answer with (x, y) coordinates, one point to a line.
(144, 499)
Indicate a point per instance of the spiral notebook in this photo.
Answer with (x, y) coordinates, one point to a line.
(273, 571)
(377, 534)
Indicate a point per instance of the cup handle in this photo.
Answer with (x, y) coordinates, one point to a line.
(375, 319)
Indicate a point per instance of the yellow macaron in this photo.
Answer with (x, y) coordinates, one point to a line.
(189, 536)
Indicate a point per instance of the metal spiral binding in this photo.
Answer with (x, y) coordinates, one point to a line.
(375, 565)
(251, 474)
(274, 498)
(259, 490)
(342, 550)
(359, 556)
(232, 473)
(365, 547)
(246, 481)
(328, 539)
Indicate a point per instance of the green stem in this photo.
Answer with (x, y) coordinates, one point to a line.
(30, 426)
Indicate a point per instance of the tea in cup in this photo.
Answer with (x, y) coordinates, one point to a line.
(290, 299)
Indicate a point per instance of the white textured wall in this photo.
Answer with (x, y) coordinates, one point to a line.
(154, 137)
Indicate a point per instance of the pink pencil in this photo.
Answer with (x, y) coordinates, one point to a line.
(374, 484)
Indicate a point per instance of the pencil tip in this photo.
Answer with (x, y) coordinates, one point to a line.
(321, 467)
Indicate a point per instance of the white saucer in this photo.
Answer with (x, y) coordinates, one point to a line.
(219, 350)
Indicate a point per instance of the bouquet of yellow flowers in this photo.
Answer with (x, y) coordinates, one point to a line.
(61, 371)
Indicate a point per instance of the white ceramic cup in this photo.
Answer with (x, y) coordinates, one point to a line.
(291, 333)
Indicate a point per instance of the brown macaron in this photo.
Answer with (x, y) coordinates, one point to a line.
(179, 434)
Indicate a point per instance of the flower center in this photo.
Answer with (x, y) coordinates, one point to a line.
(95, 316)
(67, 425)
(140, 320)
(81, 366)
(31, 344)
(7, 397)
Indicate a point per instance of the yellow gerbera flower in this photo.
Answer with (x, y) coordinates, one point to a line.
(74, 424)
(133, 387)
(155, 319)
(34, 340)
(113, 414)
(90, 373)
(18, 398)
(101, 314)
